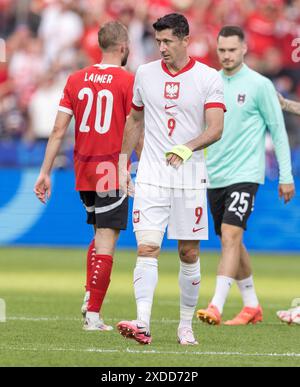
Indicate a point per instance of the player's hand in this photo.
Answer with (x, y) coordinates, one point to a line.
(42, 187)
(174, 160)
(178, 155)
(287, 191)
(125, 183)
(282, 101)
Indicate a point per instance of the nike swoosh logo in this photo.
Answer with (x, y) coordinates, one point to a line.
(198, 229)
(196, 283)
(169, 107)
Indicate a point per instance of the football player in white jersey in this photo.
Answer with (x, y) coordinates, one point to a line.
(182, 106)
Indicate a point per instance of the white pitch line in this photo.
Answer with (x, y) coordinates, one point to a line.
(111, 320)
(152, 352)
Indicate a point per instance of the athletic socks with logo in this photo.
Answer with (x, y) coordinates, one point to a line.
(248, 292)
(145, 281)
(90, 259)
(223, 287)
(189, 283)
(99, 281)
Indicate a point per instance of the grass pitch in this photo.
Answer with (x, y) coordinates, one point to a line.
(43, 291)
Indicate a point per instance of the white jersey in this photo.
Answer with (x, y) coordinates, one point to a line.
(174, 107)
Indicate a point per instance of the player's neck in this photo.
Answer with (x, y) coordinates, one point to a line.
(110, 59)
(234, 71)
(178, 65)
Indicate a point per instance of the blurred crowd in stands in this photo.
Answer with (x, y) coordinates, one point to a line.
(48, 39)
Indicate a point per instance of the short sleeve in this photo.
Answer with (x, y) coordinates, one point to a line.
(215, 95)
(65, 104)
(137, 101)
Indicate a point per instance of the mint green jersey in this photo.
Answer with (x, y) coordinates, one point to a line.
(252, 109)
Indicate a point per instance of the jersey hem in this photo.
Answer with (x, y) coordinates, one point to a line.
(211, 105)
(137, 108)
(65, 110)
(203, 186)
(240, 181)
(188, 238)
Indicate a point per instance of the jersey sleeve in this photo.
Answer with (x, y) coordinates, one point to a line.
(65, 104)
(271, 112)
(137, 101)
(215, 95)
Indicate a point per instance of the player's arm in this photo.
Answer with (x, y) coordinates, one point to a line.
(214, 118)
(133, 135)
(139, 147)
(129, 98)
(270, 109)
(133, 132)
(288, 105)
(42, 186)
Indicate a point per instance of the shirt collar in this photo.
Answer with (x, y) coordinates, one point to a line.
(104, 66)
(239, 74)
(187, 67)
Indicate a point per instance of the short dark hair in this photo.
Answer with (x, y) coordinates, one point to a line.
(228, 31)
(111, 34)
(175, 22)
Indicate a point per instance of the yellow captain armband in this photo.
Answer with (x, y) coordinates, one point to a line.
(182, 151)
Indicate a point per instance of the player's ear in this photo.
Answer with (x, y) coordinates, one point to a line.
(186, 40)
(245, 48)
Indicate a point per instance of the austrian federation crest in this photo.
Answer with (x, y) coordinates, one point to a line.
(241, 99)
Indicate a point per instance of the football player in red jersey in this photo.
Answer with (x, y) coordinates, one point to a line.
(99, 97)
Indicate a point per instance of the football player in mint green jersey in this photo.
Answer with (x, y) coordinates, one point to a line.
(236, 168)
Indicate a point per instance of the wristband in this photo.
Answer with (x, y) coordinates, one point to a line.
(182, 151)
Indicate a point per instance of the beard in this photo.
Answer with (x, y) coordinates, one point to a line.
(231, 65)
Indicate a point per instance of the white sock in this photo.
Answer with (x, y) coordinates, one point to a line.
(189, 283)
(222, 290)
(86, 296)
(93, 316)
(145, 281)
(248, 293)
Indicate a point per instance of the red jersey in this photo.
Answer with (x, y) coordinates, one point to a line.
(100, 99)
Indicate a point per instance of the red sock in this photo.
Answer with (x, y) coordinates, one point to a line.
(90, 259)
(99, 281)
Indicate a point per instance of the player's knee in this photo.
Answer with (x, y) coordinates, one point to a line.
(188, 254)
(148, 251)
(231, 237)
(149, 243)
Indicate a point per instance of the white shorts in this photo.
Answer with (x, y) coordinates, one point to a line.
(183, 211)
